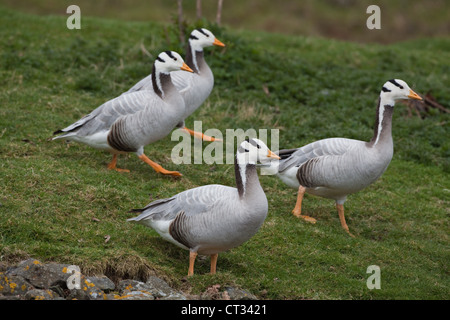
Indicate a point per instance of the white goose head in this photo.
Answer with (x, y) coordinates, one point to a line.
(396, 89)
(202, 38)
(392, 90)
(168, 61)
(254, 150)
(248, 154)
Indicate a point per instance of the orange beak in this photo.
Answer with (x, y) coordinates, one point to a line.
(185, 67)
(272, 155)
(414, 95)
(218, 43)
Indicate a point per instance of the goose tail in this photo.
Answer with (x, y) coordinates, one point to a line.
(285, 153)
(152, 210)
(273, 167)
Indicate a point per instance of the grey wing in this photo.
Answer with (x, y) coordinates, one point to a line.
(180, 79)
(325, 147)
(183, 81)
(144, 84)
(105, 115)
(192, 202)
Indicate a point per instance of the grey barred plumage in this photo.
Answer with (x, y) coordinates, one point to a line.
(130, 122)
(213, 218)
(196, 87)
(177, 227)
(117, 137)
(304, 173)
(336, 167)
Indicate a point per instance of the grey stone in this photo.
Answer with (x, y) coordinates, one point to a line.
(40, 294)
(78, 294)
(34, 280)
(103, 283)
(134, 290)
(11, 285)
(155, 286)
(41, 276)
(162, 290)
(137, 295)
(239, 294)
(112, 296)
(90, 289)
(126, 286)
(16, 297)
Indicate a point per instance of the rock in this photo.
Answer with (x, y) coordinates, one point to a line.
(154, 288)
(40, 294)
(33, 280)
(137, 295)
(16, 297)
(214, 293)
(33, 273)
(11, 285)
(78, 294)
(162, 290)
(91, 290)
(126, 286)
(228, 293)
(239, 294)
(134, 290)
(103, 283)
(41, 276)
(111, 296)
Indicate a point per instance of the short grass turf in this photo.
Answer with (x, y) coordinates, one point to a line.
(60, 203)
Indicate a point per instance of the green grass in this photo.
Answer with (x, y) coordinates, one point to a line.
(341, 19)
(58, 202)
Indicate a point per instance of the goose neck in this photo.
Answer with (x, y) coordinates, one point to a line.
(195, 58)
(383, 123)
(162, 83)
(247, 180)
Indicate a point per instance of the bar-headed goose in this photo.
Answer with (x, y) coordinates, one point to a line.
(336, 167)
(194, 87)
(214, 218)
(130, 122)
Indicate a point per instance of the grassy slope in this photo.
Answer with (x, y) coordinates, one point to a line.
(50, 193)
(342, 19)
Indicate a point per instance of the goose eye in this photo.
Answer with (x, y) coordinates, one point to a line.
(246, 150)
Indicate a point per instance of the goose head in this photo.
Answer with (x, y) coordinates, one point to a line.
(168, 61)
(201, 38)
(254, 150)
(396, 89)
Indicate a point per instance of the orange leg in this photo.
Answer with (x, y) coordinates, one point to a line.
(112, 165)
(192, 256)
(200, 135)
(214, 263)
(297, 211)
(340, 208)
(157, 167)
